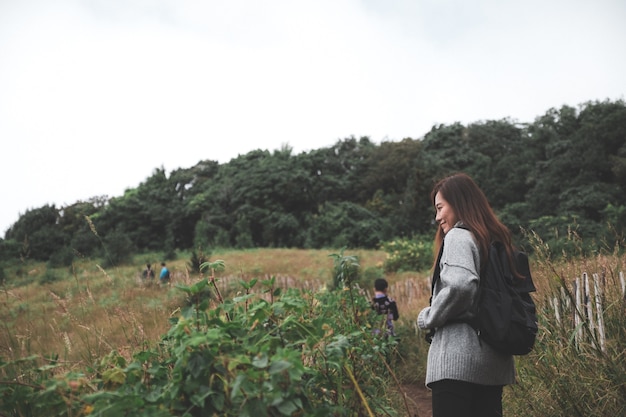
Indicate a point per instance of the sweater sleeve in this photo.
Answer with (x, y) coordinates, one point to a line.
(457, 286)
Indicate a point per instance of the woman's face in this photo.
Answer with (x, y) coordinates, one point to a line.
(445, 214)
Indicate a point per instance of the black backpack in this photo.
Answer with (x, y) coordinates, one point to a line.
(506, 318)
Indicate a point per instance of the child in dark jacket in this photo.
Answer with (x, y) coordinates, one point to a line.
(384, 305)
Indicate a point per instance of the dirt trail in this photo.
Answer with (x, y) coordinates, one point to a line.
(419, 401)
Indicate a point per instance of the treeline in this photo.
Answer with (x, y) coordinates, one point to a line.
(562, 175)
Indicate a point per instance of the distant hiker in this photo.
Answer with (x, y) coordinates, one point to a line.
(164, 277)
(148, 273)
(385, 306)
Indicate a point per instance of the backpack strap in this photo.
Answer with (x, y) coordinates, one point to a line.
(431, 332)
(436, 273)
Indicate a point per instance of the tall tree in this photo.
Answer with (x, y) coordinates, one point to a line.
(148, 214)
(39, 233)
(384, 185)
(575, 174)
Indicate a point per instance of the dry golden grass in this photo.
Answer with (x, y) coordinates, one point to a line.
(305, 264)
(90, 311)
(411, 290)
(83, 315)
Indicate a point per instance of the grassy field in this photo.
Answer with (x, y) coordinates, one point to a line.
(85, 312)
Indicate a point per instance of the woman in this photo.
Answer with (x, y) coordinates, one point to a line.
(465, 375)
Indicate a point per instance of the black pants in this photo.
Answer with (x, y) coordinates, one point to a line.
(463, 399)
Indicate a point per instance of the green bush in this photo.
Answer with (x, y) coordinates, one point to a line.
(197, 259)
(118, 249)
(62, 257)
(48, 277)
(204, 233)
(346, 225)
(85, 242)
(346, 270)
(369, 275)
(302, 354)
(9, 249)
(407, 255)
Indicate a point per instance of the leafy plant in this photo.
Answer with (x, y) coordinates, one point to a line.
(297, 353)
(407, 255)
(197, 259)
(346, 271)
(117, 248)
(49, 277)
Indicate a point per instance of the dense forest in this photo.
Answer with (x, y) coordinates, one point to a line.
(562, 175)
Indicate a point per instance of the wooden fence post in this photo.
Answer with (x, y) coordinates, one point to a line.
(557, 314)
(588, 304)
(598, 293)
(578, 312)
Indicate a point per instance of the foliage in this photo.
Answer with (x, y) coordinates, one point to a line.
(321, 337)
(569, 163)
(38, 231)
(369, 275)
(62, 257)
(298, 354)
(197, 259)
(408, 255)
(74, 221)
(9, 249)
(204, 235)
(48, 277)
(118, 248)
(615, 217)
(346, 224)
(571, 372)
(346, 270)
(571, 235)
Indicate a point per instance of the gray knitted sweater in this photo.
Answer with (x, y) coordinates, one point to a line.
(456, 352)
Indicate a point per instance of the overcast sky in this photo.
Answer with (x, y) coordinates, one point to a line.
(96, 94)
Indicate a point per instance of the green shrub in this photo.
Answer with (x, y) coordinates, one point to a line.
(407, 255)
(85, 242)
(369, 275)
(302, 354)
(118, 249)
(346, 225)
(62, 257)
(346, 270)
(197, 259)
(9, 249)
(48, 277)
(204, 233)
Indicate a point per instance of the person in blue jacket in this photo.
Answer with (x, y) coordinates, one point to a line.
(164, 277)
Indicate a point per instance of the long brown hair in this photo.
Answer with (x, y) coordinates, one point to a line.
(472, 208)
